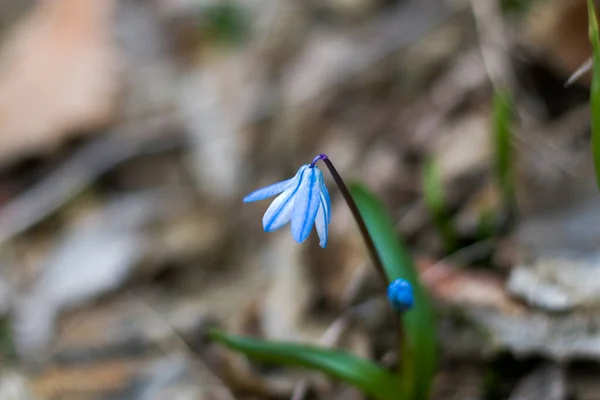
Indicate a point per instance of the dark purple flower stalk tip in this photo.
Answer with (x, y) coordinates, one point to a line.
(318, 158)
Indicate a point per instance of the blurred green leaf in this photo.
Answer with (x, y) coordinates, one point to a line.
(595, 89)
(433, 193)
(485, 225)
(8, 352)
(226, 22)
(502, 116)
(418, 362)
(364, 374)
(515, 6)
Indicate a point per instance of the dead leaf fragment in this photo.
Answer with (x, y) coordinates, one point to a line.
(110, 376)
(558, 31)
(58, 70)
(454, 286)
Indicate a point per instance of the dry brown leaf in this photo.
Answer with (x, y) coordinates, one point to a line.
(558, 30)
(58, 75)
(89, 380)
(455, 286)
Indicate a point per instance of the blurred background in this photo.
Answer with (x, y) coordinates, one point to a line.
(130, 131)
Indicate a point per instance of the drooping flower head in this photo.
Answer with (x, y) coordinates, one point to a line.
(303, 200)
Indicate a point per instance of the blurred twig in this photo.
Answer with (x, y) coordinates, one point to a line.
(224, 391)
(493, 42)
(85, 166)
(463, 256)
(579, 72)
(329, 339)
(337, 328)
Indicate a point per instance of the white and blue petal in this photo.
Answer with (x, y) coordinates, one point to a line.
(269, 191)
(326, 201)
(303, 200)
(279, 212)
(321, 223)
(307, 203)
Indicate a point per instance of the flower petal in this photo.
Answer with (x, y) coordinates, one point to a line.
(327, 202)
(306, 204)
(269, 191)
(279, 212)
(321, 223)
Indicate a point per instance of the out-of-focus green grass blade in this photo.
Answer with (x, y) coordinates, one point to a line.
(8, 352)
(595, 90)
(364, 374)
(518, 6)
(502, 116)
(433, 193)
(485, 225)
(419, 351)
(226, 22)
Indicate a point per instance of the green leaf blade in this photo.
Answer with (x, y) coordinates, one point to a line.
(502, 116)
(595, 89)
(419, 356)
(433, 194)
(364, 374)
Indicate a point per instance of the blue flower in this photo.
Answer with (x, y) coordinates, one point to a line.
(304, 201)
(400, 294)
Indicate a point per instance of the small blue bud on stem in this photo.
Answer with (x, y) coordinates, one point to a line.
(400, 295)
